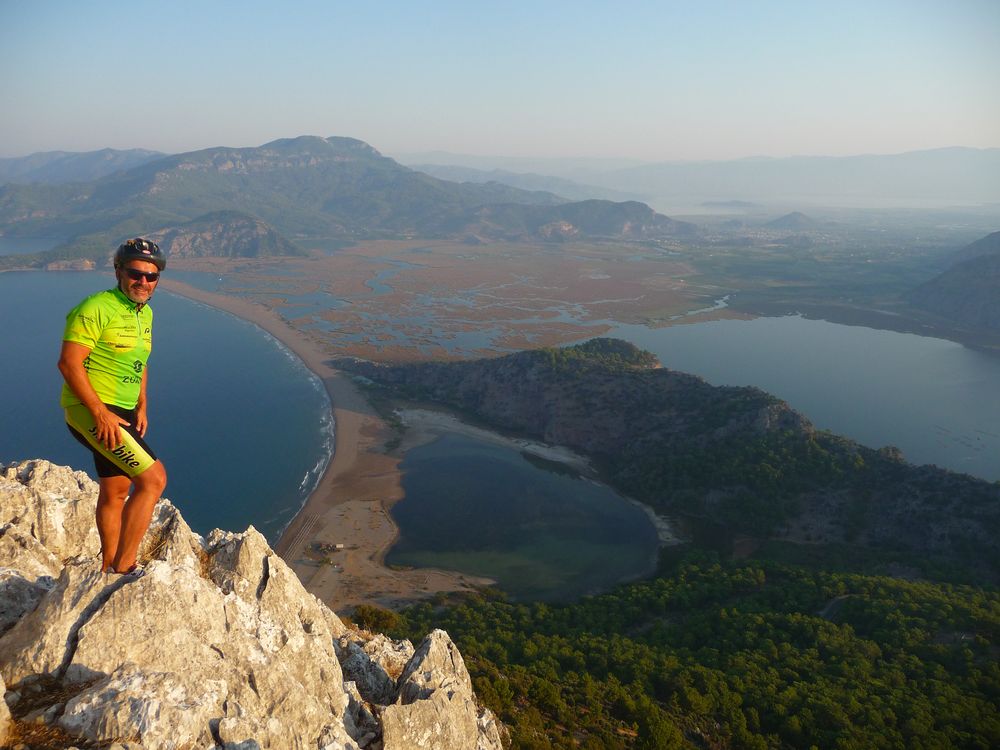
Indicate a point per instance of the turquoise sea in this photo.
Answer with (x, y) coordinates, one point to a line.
(242, 426)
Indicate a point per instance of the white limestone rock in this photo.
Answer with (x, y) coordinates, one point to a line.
(216, 645)
(436, 708)
(157, 706)
(170, 539)
(22, 552)
(27, 571)
(361, 723)
(375, 665)
(56, 505)
(41, 641)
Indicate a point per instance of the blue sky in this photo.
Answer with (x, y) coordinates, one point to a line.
(645, 80)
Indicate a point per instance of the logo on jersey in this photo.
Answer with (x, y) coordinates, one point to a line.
(137, 366)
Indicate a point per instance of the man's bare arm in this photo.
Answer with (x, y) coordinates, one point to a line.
(75, 374)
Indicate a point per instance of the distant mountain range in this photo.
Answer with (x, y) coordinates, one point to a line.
(968, 292)
(568, 189)
(65, 166)
(315, 193)
(916, 179)
(308, 191)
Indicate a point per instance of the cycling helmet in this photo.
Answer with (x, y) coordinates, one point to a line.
(140, 249)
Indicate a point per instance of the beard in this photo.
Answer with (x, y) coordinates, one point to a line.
(139, 295)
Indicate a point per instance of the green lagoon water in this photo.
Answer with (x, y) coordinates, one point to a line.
(541, 531)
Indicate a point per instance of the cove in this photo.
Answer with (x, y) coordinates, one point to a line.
(539, 529)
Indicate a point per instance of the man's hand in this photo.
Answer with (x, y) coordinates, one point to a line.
(108, 426)
(141, 423)
(106, 422)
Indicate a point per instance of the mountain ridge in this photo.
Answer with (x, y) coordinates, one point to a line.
(942, 176)
(56, 167)
(307, 188)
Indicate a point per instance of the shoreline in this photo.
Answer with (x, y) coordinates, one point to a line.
(348, 511)
(350, 502)
(424, 424)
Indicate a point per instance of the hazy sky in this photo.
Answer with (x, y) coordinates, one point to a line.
(648, 80)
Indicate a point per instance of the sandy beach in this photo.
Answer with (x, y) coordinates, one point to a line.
(350, 505)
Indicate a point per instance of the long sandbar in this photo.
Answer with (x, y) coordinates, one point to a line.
(350, 504)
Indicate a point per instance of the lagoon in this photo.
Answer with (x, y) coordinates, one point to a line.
(539, 529)
(936, 400)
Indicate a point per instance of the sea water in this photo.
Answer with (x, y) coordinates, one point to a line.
(243, 428)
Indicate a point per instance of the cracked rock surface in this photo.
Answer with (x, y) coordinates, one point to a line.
(218, 645)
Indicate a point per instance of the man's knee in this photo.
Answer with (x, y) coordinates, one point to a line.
(154, 478)
(113, 492)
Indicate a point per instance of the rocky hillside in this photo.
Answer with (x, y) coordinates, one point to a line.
(228, 234)
(217, 645)
(307, 188)
(736, 456)
(968, 293)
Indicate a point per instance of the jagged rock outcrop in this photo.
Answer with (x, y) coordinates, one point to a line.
(217, 645)
(436, 707)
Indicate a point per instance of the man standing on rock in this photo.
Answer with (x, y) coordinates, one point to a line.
(105, 346)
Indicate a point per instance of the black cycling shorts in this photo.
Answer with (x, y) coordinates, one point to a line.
(129, 459)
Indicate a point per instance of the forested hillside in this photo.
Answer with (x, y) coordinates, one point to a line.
(752, 654)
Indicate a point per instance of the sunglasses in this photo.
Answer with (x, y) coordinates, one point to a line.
(136, 275)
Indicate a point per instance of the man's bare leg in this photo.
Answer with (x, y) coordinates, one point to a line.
(137, 513)
(110, 501)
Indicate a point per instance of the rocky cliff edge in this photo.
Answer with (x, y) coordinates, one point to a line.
(217, 645)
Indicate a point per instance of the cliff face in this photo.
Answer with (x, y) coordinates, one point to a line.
(217, 645)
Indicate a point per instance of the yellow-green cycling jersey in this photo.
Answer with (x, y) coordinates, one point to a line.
(118, 333)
